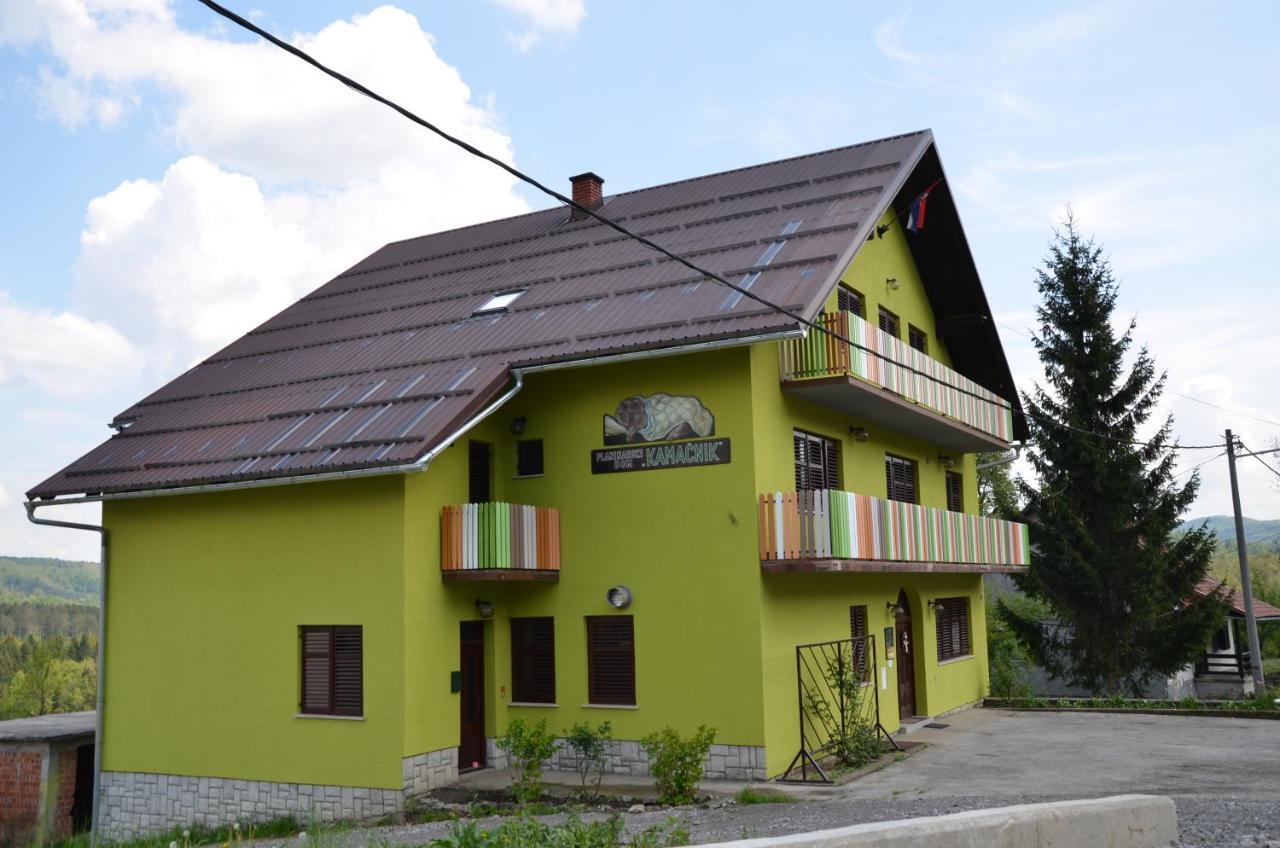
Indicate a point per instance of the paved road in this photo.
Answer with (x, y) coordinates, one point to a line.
(1069, 755)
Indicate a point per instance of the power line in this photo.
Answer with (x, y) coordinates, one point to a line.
(1260, 453)
(1198, 464)
(619, 228)
(1265, 464)
(1224, 409)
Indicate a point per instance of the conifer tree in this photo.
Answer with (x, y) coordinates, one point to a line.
(1117, 581)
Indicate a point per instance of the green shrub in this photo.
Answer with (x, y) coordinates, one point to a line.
(527, 746)
(526, 832)
(1006, 658)
(676, 763)
(591, 748)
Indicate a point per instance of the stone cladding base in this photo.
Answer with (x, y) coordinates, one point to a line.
(138, 804)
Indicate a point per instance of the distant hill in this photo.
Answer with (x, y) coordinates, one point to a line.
(1255, 529)
(48, 580)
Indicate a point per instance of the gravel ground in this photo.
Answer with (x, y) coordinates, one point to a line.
(1202, 822)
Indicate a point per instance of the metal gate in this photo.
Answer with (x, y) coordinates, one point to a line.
(836, 687)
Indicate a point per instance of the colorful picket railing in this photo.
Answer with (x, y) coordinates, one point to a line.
(879, 358)
(499, 535)
(831, 524)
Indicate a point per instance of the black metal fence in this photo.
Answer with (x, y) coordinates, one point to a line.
(836, 691)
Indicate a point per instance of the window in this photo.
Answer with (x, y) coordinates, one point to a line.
(817, 461)
(955, 492)
(332, 671)
(917, 338)
(851, 300)
(529, 458)
(952, 615)
(1222, 639)
(533, 660)
(900, 479)
(611, 660)
(498, 302)
(889, 322)
(858, 621)
(479, 472)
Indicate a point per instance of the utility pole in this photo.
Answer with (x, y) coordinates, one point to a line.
(1246, 584)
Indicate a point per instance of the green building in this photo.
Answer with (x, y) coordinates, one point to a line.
(532, 468)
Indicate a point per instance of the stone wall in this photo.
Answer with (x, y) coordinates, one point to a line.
(626, 757)
(137, 804)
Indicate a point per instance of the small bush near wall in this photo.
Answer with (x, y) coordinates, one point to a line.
(591, 748)
(574, 833)
(676, 763)
(527, 746)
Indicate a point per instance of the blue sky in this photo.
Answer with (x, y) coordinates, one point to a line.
(168, 183)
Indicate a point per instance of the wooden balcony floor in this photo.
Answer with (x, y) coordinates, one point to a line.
(500, 575)
(814, 566)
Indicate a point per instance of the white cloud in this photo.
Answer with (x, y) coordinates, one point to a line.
(889, 40)
(560, 17)
(290, 177)
(63, 353)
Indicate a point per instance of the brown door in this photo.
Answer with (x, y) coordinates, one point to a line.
(906, 664)
(471, 747)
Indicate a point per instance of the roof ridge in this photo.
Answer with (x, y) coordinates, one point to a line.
(667, 184)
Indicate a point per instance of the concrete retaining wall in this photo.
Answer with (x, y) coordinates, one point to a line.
(1122, 821)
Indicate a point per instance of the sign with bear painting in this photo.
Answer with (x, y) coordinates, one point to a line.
(658, 417)
(647, 421)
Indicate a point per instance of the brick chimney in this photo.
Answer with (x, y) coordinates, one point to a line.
(588, 191)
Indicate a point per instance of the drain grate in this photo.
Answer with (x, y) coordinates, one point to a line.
(937, 725)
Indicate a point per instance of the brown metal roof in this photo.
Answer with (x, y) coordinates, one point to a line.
(1262, 611)
(386, 360)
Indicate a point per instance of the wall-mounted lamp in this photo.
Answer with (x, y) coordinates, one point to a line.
(859, 434)
(619, 597)
(518, 424)
(894, 607)
(947, 461)
(484, 609)
(935, 605)
(893, 284)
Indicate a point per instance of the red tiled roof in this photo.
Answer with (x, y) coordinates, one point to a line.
(384, 362)
(1261, 609)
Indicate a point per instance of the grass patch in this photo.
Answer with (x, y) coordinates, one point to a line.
(751, 795)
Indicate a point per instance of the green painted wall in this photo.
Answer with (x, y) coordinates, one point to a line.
(683, 540)
(205, 596)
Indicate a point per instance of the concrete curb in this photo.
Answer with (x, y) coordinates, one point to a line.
(1121, 821)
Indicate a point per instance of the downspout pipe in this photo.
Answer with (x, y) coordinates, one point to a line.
(102, 653)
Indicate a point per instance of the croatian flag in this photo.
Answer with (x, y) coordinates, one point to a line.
(915, 218)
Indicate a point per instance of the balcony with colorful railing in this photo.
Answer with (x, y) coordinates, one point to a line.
(831, 530)
(879, 378)
(499, 542)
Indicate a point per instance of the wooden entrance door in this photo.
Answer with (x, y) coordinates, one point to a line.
(471, 662)
(905, 643)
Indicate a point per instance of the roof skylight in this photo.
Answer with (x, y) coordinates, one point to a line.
(499, 302)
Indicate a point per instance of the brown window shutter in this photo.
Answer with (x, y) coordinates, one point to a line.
(831, 463)
(799, 443)
(953, 628)
(479, 472)
(900, 479)
(332, 670)
(348, 671)
(889, 322)
(817, 461)
(533, 660)
(529, 458)
(955, 492)
(858, 622)
(611, 660)
(917, 338)
(850, 300)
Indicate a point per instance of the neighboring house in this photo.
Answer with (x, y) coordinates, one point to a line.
(1225, 669)
(543, 473)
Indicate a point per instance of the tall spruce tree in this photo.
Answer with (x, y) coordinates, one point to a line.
(1118, 582)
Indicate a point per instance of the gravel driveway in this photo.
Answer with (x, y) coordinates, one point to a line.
(1223, 774)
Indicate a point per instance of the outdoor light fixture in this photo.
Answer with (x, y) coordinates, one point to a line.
(518, 424)
(484, 609)
(935, 605)
(859, 434)
(894, 607)
(946, 462)
(619, 597)
(893, 284)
